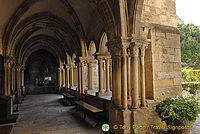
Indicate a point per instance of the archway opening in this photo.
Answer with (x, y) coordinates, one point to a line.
(41, 72)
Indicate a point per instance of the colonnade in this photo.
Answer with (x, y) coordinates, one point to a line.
(128, 73)
(85, 69)
(66, 76)
(104, 59)
(14, 79)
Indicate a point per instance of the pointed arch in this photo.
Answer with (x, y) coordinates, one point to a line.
(102, 47)
(92, 48)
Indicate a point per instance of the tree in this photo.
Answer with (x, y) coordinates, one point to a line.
(190, 43)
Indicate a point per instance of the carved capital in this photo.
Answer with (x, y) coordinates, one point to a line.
(119, 46)
(23, 68)
(60, 69)
(135, 50)
(143, 49)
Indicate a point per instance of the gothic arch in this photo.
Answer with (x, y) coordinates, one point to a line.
(107, 15)
(38, 22)
(102, 47)
(91, 49)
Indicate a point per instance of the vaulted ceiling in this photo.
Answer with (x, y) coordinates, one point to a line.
(64, 25)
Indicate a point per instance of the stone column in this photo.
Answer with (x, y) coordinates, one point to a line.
(19, 82)
(6, 79)
(124, 75)
(13, 78)
(82, 77)
(108, 75)
(9, 79)
(129, 78)
(117, 79)
(63, 77)
(67, 75)
(110, 69)
(81, 72)
(118, 51)
(72, 75)
(79, 78)
(22, 77)
(143, 94)
(90, 73)
(18, 78)
(100, 75)
(60, 77)
(134, 75)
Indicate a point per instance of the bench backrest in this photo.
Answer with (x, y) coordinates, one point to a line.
(95, 101)
(72, 92)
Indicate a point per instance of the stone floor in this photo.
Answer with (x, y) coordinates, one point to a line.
(44, 114)
(196, 127)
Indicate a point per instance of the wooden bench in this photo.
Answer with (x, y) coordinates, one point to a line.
(87, 107)
(68, 98)
(94, 106)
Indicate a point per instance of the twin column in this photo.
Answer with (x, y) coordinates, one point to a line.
(66, 76)
(104, 58)
(128, 73)
(10, 77)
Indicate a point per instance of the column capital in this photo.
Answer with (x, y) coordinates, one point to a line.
(103, 55)
(93, 61)
(19, 67)
(23, 68)
(142, 49)
(67, 66)
(118, 46)
(60, 69)
(135, 50)
(82, 59)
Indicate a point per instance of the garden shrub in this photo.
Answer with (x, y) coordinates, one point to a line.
(178, 111)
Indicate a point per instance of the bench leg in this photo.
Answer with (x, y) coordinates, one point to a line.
(84, 116)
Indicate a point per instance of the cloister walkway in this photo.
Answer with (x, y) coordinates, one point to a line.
(44, 114)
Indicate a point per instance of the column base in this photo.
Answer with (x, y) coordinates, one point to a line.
(108, 93)
(93, 91)
(135, 121)
(100, 94)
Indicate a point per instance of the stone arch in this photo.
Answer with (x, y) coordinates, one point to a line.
(91, 49)
(38, 42)
(39, 63)
(102, 47)
(37, 22)
(68, 58)
(135, 15)
(107, 15)
(39, 47)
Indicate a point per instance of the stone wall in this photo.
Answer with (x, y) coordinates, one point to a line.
(161, 12)
(166, 57)
(160, 18)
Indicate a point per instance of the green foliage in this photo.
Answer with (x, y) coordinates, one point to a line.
(190, 79)
(192, 87)
(190, 43)
(178, 111)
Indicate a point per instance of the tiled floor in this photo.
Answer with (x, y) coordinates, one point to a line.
(44, 114)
